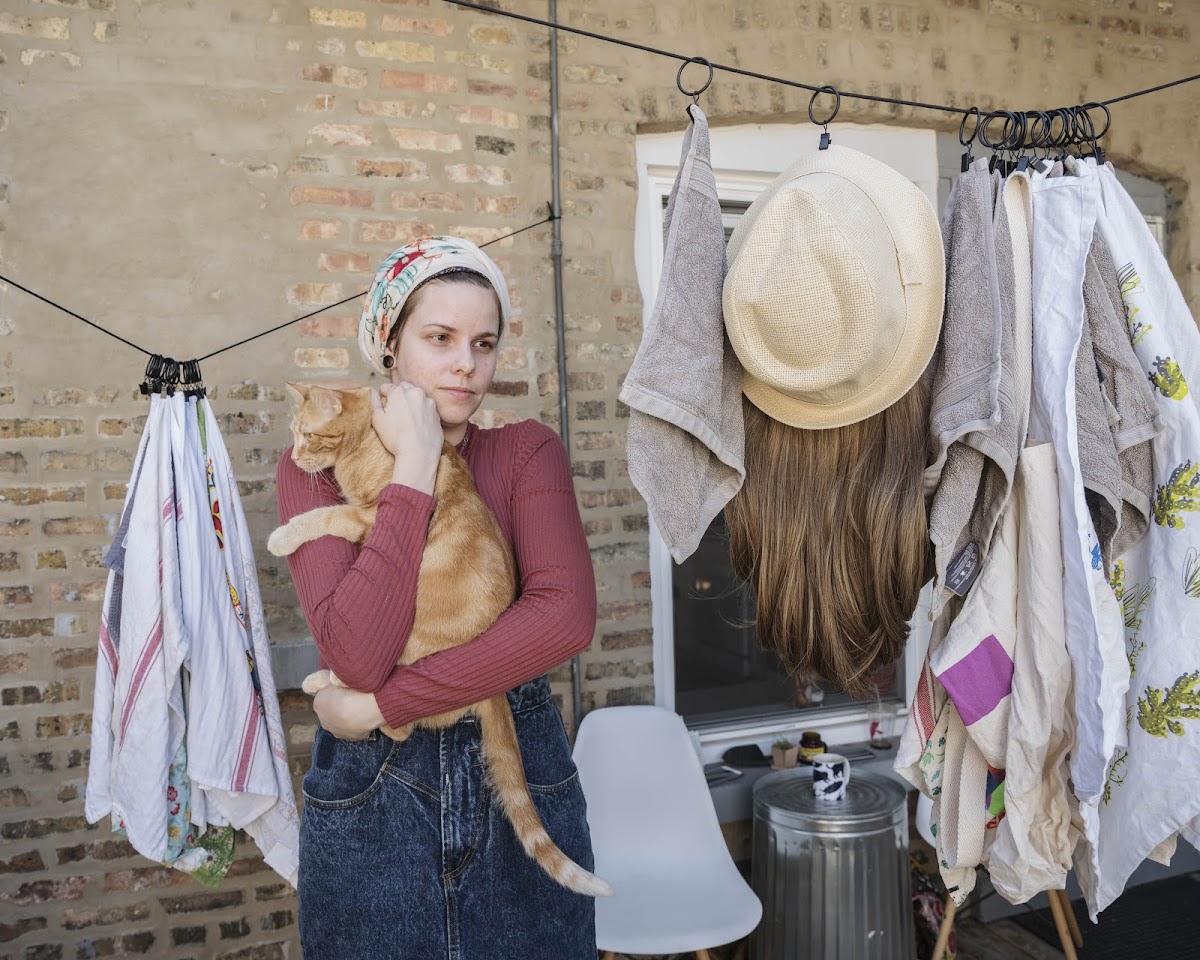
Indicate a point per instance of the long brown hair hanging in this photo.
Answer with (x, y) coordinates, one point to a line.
(830, 531)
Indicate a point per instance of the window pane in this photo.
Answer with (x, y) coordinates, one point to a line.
(721, 672)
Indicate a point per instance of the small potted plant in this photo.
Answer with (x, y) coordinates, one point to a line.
(784, 753)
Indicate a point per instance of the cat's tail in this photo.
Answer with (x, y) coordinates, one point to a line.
(506, 774)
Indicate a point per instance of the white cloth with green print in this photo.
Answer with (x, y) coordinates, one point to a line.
(1152, 792)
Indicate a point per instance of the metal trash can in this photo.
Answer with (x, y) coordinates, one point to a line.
(832, 875)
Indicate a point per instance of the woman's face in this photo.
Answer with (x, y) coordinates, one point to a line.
(447, 347)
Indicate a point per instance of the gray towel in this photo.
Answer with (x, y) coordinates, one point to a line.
(1129, 398)
(973, 412)
(686, 439)
(966, 364)
(1098, 464)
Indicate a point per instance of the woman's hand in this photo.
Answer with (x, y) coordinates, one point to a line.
(346, 713)
(408, 425)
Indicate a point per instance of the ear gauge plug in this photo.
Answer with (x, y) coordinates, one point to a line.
(388, 361)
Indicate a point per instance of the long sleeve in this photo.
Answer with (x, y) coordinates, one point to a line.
(359, 602)
(553, 618)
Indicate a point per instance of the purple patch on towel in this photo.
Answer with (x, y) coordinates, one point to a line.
(980, 680)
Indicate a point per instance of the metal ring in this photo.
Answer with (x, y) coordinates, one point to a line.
(985, 137)
(679, 77)
(963, 126)
(1067, 132)
(828, 88)
(1087, 107)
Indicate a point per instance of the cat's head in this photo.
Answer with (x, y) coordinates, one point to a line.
(329, 419)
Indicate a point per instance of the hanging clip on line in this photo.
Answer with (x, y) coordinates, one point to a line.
(150, 382)
(825, 138)
(694, 94)
(1093, 135)
(192, 382)
(967, 159)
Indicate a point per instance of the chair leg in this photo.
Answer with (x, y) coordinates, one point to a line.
(1060, 924)
(703, 955)
(1072, 922)
(943, 939)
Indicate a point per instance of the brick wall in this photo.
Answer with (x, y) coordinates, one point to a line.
(189, 174)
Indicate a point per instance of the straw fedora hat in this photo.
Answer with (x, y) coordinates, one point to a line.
(834, 293)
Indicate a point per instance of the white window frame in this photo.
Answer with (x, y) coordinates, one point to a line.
(745, 160)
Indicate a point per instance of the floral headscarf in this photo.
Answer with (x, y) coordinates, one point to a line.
(402, 272)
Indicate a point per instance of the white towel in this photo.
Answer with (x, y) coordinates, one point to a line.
(686, 438)
(138, 712)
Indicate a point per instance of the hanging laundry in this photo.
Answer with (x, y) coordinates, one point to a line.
(685, 436)
(1152, 790)
(1064, 218)
(187, 740)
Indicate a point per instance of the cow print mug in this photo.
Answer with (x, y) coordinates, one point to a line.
(831, 774)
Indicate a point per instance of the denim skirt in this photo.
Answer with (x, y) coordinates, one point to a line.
(406, 855)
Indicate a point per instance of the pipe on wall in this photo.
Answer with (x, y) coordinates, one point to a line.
(564, 421)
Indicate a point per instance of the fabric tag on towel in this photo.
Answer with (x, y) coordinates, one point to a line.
(963, 569)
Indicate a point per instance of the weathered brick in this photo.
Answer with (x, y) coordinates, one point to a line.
(408, 138)
(427, 201)
(10, 931)
(344, 263)
(278, 920)
(13, 462)
(139, 942)
(628, 696)
(400, 169)
(185, 935)
(106, 31)
(7, 393)
(348, 19)
(13, 663)
(320, 230)
(353, 78)
(478, 173)
(486, 116)
(76, 526)
(332, 196)
(273, 891)
(486, 88)
(41, 891)
(491, 35)
(88, 592)
(247, 423)
(28, 862)
(105, 916)
(341, 134)
(424, 82)
(509, 388)
(394, 109)
(65, 725)
(30, 627)
(389, 231)
(21, 427)
(307, 294)
(588, 469)
(265, 951)
(497, 145)
(597, 527)
(403, 50)
(143, 878)
(42, 28)
(10, 560)
(16, 596)
(68, 658)
(44, 951)
(28, 496)
(234, 929)
(12, 797)
(314, 359)
(327, 326)
(622, 609)
(202, 902)
(433, 27)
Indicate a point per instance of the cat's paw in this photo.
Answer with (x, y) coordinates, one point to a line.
(316, 681)
(283, 542)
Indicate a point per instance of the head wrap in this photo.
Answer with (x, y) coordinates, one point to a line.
(406, 269)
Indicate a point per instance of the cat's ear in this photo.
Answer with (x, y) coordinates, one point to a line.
(326, 401)
(298, 392)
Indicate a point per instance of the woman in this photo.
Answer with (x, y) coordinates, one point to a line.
(402, 855)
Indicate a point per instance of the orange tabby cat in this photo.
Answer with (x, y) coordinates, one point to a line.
(456, 601)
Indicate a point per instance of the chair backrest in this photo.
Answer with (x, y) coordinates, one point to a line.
(646, 792)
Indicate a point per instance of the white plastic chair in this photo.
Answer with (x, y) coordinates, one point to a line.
(656, 838)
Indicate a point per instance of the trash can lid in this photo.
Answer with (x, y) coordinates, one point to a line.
(872, 802)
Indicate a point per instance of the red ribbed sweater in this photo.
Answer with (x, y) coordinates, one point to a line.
(360, 602)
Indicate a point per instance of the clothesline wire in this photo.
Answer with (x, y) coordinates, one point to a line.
(726, 68)
(287, 323)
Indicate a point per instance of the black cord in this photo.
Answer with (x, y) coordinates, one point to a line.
(945, 108)
(288, 323)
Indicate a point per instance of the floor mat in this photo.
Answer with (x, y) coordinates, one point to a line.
(1153, 920)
